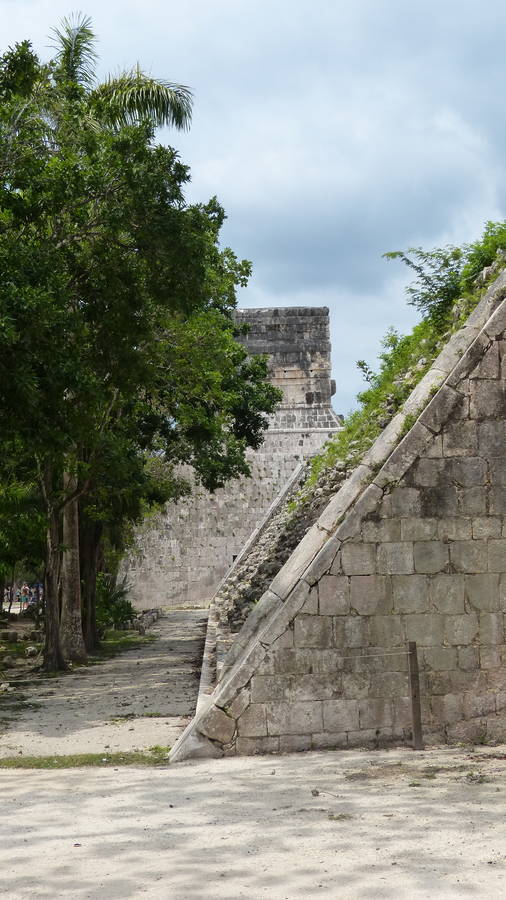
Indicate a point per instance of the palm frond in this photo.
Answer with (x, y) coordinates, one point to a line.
(74, 42)
(133, 96)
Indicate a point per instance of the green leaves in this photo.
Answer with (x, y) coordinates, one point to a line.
(132, 97)
(74, 42)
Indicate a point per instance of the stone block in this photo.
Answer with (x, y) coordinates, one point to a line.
(371, 594)
(390, 684)
(327, 661)
(410, 593)
(472, 501)
(256, 746)
(467, 471)
(490, 657)
(417, 529)
(402, 712)
(336, 567)
(284, 640)
(497, 495)
(488, 399)
(440, 659)
(310, 606)
(355, 685)
(476, 706)
(487, 527)
(438, 684)
(382, 530)
(289, 661)
(424, 628)
(295, 718)
(455, 528)
(497, 467)
(294, 743)
(295, 566)
(340, 715)
(430, 556)
(268, 687)
(405, 502)
(395, 558)
(252, 722)
(412, 445)
(429, 471)
(461, 629)
(345, 496)
(434, 449)
(447, 593)
(471, 731)
(491, 628)
(323, 560)
(497, 555)
(385, 443)
(239, 676)
(334, 595)
(356, 631)
(460, 439)
(491, 438)
(366, 505)
(358, 559)
(312, 687)
(313, 631)
(241, 702)
(482, 592)
(439, 501)
(469, 556)
(488, 366)
(330, 741)
(374, 713)
(216, 725)
(448, 708)
(468, 658)
(440, 407)
(386, 631)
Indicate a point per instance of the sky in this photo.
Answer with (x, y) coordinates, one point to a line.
(332, 131)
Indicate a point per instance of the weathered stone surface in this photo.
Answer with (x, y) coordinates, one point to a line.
(436, 413)
(302, 556)
(446, 593)
(375, 713)
(215, 724)
(430, 556)
(295, 718)
(340, 715)
(482, 592)
(410, 593)
(252, 722)
(395, 558)
(426, 629)
(461, 629)
(417, 529)
(358, 559)
(469, 556)
(497, 555)
(254, 746)
(455, 528)
(313, 631)
(334, 595)
(386, 631)
(460, 439)
(371, 594)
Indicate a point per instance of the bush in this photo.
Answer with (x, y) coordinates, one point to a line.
(112, 606)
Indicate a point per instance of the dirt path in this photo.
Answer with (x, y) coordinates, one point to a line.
(395, 825)
(138, 699)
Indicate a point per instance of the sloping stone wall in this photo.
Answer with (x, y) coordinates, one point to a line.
(182, 554)
(411, 548)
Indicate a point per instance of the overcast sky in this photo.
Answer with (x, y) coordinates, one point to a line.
(331, 131)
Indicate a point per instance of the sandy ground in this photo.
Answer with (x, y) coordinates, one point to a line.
(347, 825)
(136, 700)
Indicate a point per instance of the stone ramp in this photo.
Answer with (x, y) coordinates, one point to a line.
(135, 700)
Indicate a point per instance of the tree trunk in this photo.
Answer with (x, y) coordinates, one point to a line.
(53, 658)
(90, 533)
(71, 627)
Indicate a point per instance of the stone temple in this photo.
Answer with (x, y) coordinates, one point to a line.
(182, 554)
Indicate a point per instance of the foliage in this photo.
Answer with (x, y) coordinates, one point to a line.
(154, 756)
(113, 606)
(438, 281)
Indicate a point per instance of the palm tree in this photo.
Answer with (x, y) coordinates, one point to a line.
(124, 99)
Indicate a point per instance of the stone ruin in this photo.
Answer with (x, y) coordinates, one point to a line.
(410, 547)
(182, 554)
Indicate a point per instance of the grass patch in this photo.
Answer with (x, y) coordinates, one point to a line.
(339, 817)
(115, 642)
(154, 756)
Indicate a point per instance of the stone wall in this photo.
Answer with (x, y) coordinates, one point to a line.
(411, 548)
(182, 554)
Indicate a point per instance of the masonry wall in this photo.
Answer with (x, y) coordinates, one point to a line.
(412, 548)
(182, 554)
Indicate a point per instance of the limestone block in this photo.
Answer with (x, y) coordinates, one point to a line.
(410, 593)
(345, 496)
(336, 567)
(489, 365)
(472, 501)
(294, 743)
(455, 528)
(467, 471)
(430, 556)
(469, 556)
(440, 659)
(490, 657)
(469, 658)
(290, 661)
(313, 631)
(216, 725)
(487, 399)
(417, 529)
(385, 443)
(340, 715)
(482, 592)
(491, 438)
(389, 685)
(448, 708)
(383, 530)
(268, 687)
(257, 745)
(395, 558)
(358, 559)
(310, 606)
(334, 595)
(476, 706)
(193, 745)
(426, 629)
(327, 661)
(471, 358)
(497, 555)
(460, 439)
(295, 566)
(374, 713)
(366, 505)
(386, 631)
(434, 449)
(323, 560)
(241, 702)
(312, 687)
(398, 463)
(330, 741)
(461, 629)
(497, 495)
(277, 624)
(487, 527)
(440, 407)
(371, 594)
(425, 388)
(428, 471)
(405, 502)
(446, 593)
(252, 722)
(491, 628)
(238, 677)
(356, 631)
(355, 685)
(439, 501)
(284, 640)
(438, 684)
(497, 466)
(267, 604)
(295, 718)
